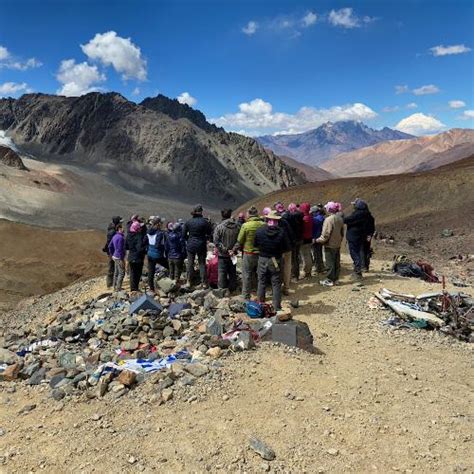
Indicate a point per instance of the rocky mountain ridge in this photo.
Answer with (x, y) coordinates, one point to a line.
(159, 142)
(11, 158)
(317, 146)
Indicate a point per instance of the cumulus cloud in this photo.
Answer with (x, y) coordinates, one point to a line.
(187, 98)
(259, 116)
(9, 61)
(250, 28)
(412, 105)
(456, 104)
(401, 89)
(449, 50)
(309, 19)
(389, 109)
(112, 50)
(467, 115)
(425, 90)
(346, 18)
(8, 89)
(78, 79)
(420, 124)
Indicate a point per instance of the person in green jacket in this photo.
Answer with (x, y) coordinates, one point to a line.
(245, 241)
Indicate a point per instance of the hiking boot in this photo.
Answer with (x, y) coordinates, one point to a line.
(285, 292)
(326, 283)
(356, 276)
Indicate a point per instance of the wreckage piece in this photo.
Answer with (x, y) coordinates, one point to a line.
(405, 311)
(386, 293)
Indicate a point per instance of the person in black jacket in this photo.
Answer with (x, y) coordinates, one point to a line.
(356, 235)
(294, 217)
(286, 263)
(116, 220)
(135, 245)
(197, 232)
(366, 246)
(271, 241)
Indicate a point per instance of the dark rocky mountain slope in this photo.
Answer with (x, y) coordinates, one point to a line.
(11, 158)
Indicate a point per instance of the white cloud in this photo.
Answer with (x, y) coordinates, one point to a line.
(120, 53)
(186, 98)
(391, 109)
(251, 28)
(448, 50)
(78, 79)
(11, 88)
(346, 18)
(428, 89)
(309, 19)
(467, 115)
(402, 89)
(456, 104)
(136, 91)
(8, 61)
(259, 117)
(412, 105)
(420, 124)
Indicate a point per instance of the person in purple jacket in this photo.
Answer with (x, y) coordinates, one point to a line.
(318, 220)
(117, 251)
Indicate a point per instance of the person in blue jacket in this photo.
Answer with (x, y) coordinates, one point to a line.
(155, 245)
(175, 250)
(318, 214)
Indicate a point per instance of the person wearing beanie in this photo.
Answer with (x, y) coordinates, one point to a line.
(306, 246)
(175, 250)
(197, 231)
(117, 251)
(155, 246)
(318, 215)
(136, 254)
(246, 243)
(331, 237)
(111, 229)
(295, 218)
(272, 242)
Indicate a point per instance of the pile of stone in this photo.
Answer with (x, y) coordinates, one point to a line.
(110, 344)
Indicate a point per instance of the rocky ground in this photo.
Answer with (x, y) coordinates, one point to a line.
(370, 399)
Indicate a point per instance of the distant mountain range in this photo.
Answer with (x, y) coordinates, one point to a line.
(159, 147)
(330, 139)
(404, 156)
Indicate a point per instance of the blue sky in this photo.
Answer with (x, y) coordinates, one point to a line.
(253, 66)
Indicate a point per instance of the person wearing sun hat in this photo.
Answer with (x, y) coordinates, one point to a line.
(271, 242)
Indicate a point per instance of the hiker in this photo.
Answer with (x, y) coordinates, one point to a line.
(155, 245)
(367, 243)
(111, 229)
(175, 251)
(136, 254)
(318, 215)
(212, 267)
(225, 238)
(117, 251)
(246, 243)
(357, 225)
(241, 219)
(285, 266)
(306, 246)
(197, 232)
(295, 218)
(272, 242)
(331, 237)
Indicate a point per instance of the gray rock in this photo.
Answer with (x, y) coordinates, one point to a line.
(197, 369)
(167, 285)
(7, 357)
(37, 377)
(262, 449)
(54, 382)
(68, 360)
(58, 394)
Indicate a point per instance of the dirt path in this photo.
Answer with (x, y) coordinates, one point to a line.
(373, 400)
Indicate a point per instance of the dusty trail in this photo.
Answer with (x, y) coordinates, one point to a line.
(373, 400)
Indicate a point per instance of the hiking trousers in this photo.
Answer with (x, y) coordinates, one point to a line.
(295, 261)
(119, 273)
(366, 254)
(333, 263)
(267, 268)
(176, 268)
(356, 251)
(318, 257)
(136, 270)
(226, 274)
(110, 273)
(307, 258)
(249, 273)
(152, 263)
(285, 270)
(201, 255)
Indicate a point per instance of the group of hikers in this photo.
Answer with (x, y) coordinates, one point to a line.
(276, 247)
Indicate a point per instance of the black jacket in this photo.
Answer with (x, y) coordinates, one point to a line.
(357, 225)
(286, 227)
(370, 225)
(295, 220)
(271, 241)
(136, 247)
(110, 234)
(196, 232)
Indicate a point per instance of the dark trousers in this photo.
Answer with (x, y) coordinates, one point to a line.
(295, 260)
(333, 263)
(266, 268)
(136, 270)
(249, 274)
(110, 273)
(175, 266)
(202, 266)
(366, 254)
(355, 249)
(318, 257)
(226, 274)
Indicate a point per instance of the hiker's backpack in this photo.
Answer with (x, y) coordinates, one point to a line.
(257, 310)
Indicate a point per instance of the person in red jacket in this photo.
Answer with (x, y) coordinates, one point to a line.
(306, 254)
(212, 269)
